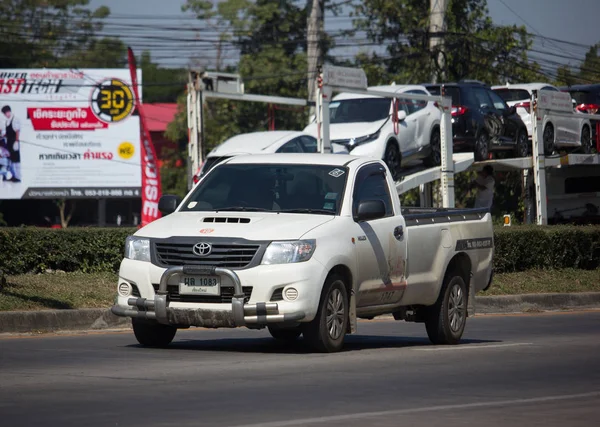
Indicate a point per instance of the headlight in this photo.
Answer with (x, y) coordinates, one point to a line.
(363, 139)
(288, 252)
(137, 248)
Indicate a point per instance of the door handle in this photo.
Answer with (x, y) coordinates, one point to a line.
(399, 232)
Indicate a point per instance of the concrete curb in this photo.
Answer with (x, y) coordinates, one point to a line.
(536, 302)
(101, 318)
(60, 320)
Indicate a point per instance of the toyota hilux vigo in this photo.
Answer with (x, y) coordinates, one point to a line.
(302, 244)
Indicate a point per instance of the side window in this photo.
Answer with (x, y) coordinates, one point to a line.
(413, 104)
(309, 144)
(292, 146)
(482, 98)
(371, 184)
(499, 103)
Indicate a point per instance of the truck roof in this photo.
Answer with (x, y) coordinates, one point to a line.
(387, 88)
(300, 158)
(526, 86)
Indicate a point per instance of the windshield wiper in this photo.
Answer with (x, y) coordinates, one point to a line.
(244, 209)
(307, 210)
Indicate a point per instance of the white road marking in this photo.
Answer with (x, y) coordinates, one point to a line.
(472, 346)
(334, 418)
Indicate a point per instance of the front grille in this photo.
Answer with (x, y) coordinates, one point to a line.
(135, 291)
(222, 255)
(224, 298)
(277, 295)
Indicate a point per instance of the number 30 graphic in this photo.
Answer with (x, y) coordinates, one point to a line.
(112, 101)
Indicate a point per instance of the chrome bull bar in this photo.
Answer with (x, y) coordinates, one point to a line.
(258, 314)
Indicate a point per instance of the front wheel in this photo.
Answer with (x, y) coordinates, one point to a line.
(445, 321)
(522, 144)
(326, 332)
(392, 159)
(152, 334)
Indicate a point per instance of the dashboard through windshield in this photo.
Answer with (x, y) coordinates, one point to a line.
(293, 188)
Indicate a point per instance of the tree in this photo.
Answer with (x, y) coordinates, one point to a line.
(160, 84)
(589, 70)
(48, 33)
(475, 47)
(271, 37)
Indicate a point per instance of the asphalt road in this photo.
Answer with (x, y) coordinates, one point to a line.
(524, 370)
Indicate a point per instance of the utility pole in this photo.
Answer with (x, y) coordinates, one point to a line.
(315, 55)
(437, 27)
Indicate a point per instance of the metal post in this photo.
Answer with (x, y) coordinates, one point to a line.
(447, 167)
(539, 164)
(326, 93)
(528, 196)
(192, 131)
(319, 110)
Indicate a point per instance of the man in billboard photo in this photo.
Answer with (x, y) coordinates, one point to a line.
(12, 134)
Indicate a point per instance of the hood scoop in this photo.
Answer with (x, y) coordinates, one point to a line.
(228, 220)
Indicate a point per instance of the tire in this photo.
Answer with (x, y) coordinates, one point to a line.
(392, 159)
(153, 334)
(548, 139)
(482, 147)
(587, 145)
(522, 144)
(285, 334)
(321, 334)
(445, 321)
(435, 156)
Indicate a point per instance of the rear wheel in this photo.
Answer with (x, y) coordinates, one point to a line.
(435, 156)
(445, 321)
(482, 147)
(285, 334)
(548, 138)
(392, 159)
(325, 333)
(522, 144)
(587, 145)
(151, 334)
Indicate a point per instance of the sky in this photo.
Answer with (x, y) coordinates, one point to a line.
(574, 21)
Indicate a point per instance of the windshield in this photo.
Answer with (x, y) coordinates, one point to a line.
(313, 189)
(210, 163)
(451, 91)
(584, 97)
(510, 95)
(359, 110)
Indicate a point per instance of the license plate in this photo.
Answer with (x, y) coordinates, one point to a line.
(200, 285)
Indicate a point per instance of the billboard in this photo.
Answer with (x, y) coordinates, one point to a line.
(68, 134)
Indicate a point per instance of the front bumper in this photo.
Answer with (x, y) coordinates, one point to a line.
(258, 314)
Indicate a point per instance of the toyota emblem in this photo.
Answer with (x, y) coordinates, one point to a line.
(202, 249)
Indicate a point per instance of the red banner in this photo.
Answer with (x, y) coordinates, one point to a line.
(151, 190)
(64, 118)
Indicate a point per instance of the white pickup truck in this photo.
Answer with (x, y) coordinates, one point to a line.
(302, 244)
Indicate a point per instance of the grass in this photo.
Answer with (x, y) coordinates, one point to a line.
(58, 291)
(82, 290)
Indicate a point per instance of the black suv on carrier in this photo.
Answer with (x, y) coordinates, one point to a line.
(481, 120)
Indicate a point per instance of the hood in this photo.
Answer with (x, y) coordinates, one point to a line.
(348, 130)
(255, 225)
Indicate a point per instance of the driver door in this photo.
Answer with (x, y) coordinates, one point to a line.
(380, 243)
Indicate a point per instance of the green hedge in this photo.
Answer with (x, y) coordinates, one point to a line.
(525, 247)
(34, 250)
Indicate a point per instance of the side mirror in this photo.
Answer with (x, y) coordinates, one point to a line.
(370, 210)
(401, 115)
(168, 204)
